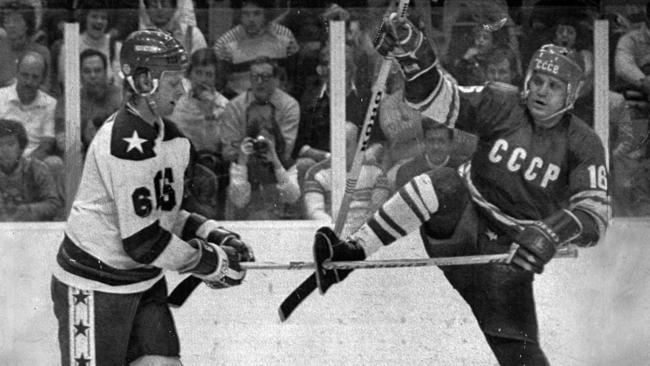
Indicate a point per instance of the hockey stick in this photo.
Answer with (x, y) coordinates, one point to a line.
(182, 291)
(178, 297)
(310, 283)
(287, 307)
(569, 252)
(176, 300)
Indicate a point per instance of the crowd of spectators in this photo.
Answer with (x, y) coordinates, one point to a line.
(257, 106)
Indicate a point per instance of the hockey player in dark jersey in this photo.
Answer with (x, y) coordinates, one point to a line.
(538, 178)
(126, 225)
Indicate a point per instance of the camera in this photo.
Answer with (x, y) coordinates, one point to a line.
(260, 145)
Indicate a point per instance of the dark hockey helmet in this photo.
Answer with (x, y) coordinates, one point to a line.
(150, 52)
(562, 63)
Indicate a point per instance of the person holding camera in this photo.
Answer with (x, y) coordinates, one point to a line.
(260, 185)
(263, 101)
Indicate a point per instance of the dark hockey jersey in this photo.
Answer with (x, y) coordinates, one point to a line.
(520, 172)
(125, 223)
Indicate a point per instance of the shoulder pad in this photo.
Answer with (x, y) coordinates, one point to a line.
(171, 130)
(132, 138)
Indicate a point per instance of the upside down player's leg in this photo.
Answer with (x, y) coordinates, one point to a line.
(438, 195)
(114, 329)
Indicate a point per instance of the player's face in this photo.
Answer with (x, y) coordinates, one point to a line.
(252, 19)
(10, 152)
(547, 95)
(437, 145)
(500, 72)
(170, 89)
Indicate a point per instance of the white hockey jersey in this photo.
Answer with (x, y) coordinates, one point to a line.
(125, 223)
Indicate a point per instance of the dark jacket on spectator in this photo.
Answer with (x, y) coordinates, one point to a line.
(314, 128)
(29, 193)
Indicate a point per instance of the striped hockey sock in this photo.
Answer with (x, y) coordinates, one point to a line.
(403, 213)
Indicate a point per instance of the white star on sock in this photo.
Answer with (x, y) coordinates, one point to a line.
(135, 142)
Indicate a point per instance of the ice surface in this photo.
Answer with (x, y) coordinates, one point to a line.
(593, 310)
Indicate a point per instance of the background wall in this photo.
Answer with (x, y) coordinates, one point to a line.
(593, 310)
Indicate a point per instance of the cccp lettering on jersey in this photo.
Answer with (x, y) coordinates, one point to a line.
(546, 65)
(515, 159)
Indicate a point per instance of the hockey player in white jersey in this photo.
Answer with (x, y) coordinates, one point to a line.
(127, 225)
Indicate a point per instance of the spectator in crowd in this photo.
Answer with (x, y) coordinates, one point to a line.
(198, 115)
(470, 68)
(438, 152)
(124, 18)
(162, 14)
(19, 22)
(501, 65)
(99, 98)
(570, 33)
(456, 14)
(539, 26)
(398, 136)
(632, 57)
(371, 191)
(54, 16)
(27, 189)
(311, 20)
(26, 103)
(637, 194)
(630, 131)
(93, 16)
(314, 130)
(255, 36)
(261, 187)
(264, 101)
(198, 112)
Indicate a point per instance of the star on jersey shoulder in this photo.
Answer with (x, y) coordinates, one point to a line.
(135, 142)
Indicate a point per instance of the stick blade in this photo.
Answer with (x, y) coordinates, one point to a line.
(182, 291)
(296, 297)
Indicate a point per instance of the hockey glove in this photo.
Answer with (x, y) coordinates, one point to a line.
(401, 39)
(328, 247)
(218, 265)
(538, 242)
(224, 237)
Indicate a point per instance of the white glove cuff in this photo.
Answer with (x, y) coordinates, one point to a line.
(222, 265)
